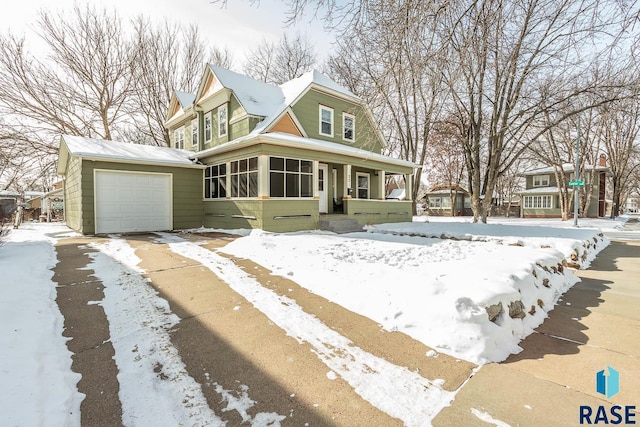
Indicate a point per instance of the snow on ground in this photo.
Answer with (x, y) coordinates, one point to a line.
(38, 386)
(393, 389)
(155, 387)
(438, 291)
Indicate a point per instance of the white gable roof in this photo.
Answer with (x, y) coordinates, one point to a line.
(100, 149)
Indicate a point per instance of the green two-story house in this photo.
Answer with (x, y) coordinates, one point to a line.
(541, 197)
(278, 158)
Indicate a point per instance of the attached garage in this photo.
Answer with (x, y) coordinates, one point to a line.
(115, 187)
(132, 201)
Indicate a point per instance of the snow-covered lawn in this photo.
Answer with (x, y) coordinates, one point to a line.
(437, 290)
(441, 291)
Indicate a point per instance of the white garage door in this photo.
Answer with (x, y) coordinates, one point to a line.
(131, 201)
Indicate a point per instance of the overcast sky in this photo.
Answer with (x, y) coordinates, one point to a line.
(238, 26)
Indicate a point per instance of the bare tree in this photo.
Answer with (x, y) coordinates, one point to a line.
(85, 83)
(168, 57)
(620, 129)
(394, 65)
(281, 61)
(510, 64)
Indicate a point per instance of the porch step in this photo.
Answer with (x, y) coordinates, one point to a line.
(340, 225)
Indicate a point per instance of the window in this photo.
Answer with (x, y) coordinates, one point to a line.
(290, 177)
(207, 127)
(538, 202)
(435, 202)
(541, 181)
(363, 185)
(446, 201)
(244, 177)
(326, 121)
(222, 120)
(215, 181)
(348, 127)
(194, 133)
(178, 136)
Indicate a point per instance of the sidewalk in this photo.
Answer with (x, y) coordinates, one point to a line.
(594, 325)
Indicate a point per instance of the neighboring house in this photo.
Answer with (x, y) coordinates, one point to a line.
(541, 197)
(47, 206)
(439, 201)
(8, 204)
(632, 205)
(245, 154)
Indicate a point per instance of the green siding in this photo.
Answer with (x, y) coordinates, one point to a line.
(307, 111)
(187, 192)
(378, 211)
(239, 123)
(72, 194)
(275, 215)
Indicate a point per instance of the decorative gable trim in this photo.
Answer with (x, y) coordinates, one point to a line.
(287, 122)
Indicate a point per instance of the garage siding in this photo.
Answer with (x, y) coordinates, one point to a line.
(72, 194)
(187, 192)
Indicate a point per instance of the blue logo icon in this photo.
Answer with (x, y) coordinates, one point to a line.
(608, 384)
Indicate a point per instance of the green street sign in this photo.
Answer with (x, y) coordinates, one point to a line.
(576, 183)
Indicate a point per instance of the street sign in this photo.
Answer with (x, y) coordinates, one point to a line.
(576, 183)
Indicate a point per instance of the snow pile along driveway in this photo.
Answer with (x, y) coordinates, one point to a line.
(470, 298)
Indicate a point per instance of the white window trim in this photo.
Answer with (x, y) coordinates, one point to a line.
(353, 130)
(320, 110)
(358, 175)
(208, 116)
(195, 135)
(529, 202)
(223, 131)
(178, 138)
(540, 179)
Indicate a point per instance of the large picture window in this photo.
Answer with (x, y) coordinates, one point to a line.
(538, 202)
(326, 121)
(290, 177)
(244, 177)
(215, 181)
(363, 185)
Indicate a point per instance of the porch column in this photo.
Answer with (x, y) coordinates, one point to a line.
(346, 186)
(316, 178)
(408, 187)
(263, 177)
(381, 185)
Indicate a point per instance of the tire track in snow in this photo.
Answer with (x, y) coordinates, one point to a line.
(393, 389)
(155, 387)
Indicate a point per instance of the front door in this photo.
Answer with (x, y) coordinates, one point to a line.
(323, 171)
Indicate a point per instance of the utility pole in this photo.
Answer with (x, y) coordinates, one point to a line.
(576, 179)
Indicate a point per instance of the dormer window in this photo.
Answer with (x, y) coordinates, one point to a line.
(326, 121)
(348, 127)
(541, 181)
(222, 121)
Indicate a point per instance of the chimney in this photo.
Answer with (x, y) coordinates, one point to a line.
(603, 160)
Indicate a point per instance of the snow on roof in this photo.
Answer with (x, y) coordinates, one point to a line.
(186, 99)
(567, 167)
(103, 149)
(256, 97)
(286, 139)
(540, 190)
(262, 99)
(9, 193)
(397, 193)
